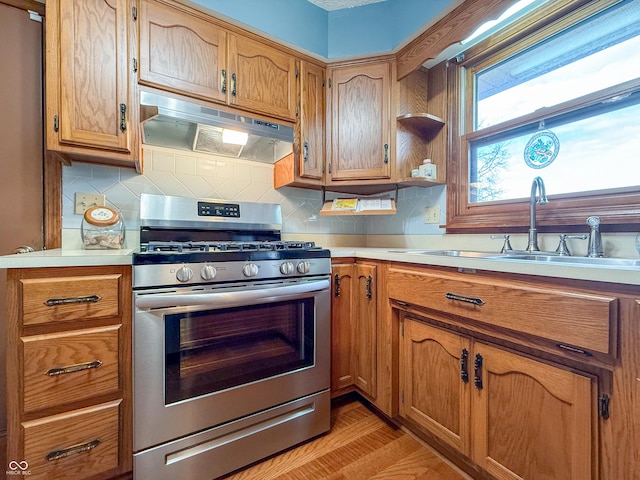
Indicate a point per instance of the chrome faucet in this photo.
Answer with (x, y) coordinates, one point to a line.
(536, 186)
(595, 240)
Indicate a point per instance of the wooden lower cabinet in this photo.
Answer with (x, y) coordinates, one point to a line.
(69, 371)
(515, 417)
(354, 321)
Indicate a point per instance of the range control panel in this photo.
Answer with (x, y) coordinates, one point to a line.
(210, 209)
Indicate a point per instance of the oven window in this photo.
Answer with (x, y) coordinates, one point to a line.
(219, 349)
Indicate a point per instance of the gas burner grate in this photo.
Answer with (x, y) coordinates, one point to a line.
(188, 247)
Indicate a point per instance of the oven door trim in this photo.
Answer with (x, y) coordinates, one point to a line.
(156, 423)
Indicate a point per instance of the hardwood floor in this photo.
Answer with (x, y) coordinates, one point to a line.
(360, 446)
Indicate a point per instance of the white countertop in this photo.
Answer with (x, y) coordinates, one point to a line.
(628, 276)
(67, 258)
(79, 258)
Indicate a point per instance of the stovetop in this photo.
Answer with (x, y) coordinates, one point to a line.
(185, 241)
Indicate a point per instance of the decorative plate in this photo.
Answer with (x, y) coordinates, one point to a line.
(541, 149)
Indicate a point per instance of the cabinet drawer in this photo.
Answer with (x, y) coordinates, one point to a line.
(577, 319)
(69, 298)
(70, 366)
(85, 440)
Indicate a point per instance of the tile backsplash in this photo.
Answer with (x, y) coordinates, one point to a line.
(173, 172)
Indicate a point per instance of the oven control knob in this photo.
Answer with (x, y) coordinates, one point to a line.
(208, 272)
(250, 270)
(184, 274)
(287, 268)
(303, 267)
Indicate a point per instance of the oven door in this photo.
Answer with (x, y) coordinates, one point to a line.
(204, 356)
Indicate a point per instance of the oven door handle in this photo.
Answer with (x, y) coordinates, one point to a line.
(230, 299)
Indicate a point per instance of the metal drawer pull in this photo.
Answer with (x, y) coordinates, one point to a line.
(78, 367)
(53, 302)
(72, 450)
(336, 285)
(462, 298)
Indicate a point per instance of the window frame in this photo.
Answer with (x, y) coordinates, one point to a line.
(619, 209)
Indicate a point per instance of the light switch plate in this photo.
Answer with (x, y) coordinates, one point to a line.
(432, 215)
(85, 201)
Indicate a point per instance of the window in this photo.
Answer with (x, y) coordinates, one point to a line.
(562, 102)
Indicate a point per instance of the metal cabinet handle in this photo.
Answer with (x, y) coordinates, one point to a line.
(123, 117)
(78, 367)
(336, 285)
(367, 287)
(386, 153)
(224, 80)
(53, 302)
(462, 298)
(464, 365)
(233, 84)
(72, 450)
(305, 155)
(477, 371)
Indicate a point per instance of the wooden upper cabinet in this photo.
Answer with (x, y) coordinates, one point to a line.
(262, 78)
(187, 52)
(360, 123)
(91, 108)
(312, 120)
(182, 53)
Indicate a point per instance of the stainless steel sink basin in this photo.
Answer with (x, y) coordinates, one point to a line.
(540, 257)
(449, 253)
(557, 259)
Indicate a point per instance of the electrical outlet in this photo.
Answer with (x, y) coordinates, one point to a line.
(85, 201)
(432, 215)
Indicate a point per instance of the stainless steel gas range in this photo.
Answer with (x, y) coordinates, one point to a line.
(231, 354)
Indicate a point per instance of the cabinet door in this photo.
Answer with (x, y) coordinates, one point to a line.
(341, 326)
(88, 66)
(360, 124)
(434, 382)
(182, 53)
(365, 329)
(263, 79)
(312, 120)
(532, 421)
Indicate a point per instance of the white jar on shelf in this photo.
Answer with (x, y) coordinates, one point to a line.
(102, 229)
(427, 169)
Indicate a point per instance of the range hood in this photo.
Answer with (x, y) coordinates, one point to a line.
(173, 123)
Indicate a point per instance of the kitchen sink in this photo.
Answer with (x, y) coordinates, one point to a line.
(450, 253)
(540, 257)
(561, 259)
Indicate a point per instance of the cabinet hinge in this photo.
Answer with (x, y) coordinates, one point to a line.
(402, 396)
(402, 330)
(329, 168)
(56, 123)
(329, 82)
(297, 72)
(297, 110)
(603, 405)
(134, 13)
(135, 65)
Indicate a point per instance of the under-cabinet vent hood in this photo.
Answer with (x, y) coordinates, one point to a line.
(173, 123)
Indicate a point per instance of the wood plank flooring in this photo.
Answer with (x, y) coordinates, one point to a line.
(360, 446)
